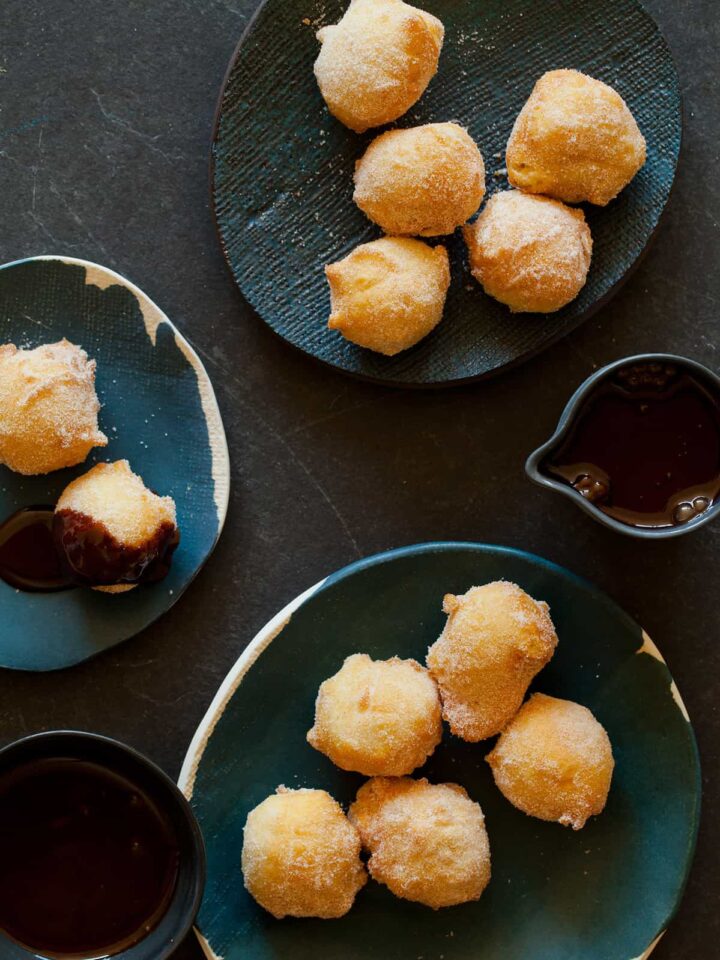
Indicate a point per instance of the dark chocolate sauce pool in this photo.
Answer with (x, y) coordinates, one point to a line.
(88, 863)
(645, 446)
(28, 558)
(42, 551)
(91, 555)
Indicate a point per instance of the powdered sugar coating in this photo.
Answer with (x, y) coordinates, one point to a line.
(301, 855)
(531, 253)
(427, 842)
(48, 407)
(377, 61)
(496, 639)
(554, 761)
(575, 139)
(388, 294)
(111, 494)
(422, 181)
(377, 717)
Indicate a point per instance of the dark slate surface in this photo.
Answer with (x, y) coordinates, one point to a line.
(106, 116)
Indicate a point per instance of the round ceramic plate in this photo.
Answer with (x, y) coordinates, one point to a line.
(282, 169)
(158, 411)
(607, 891)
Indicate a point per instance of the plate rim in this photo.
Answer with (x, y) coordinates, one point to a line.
(219, 451)
(273, 627)
(517, 361)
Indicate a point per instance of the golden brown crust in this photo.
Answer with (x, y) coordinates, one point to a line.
(530, 253)
(112, 495)
(496, 639)
(421, 181)
(377, 61)
(575, 139)
(301, 855)
(48, 407)
(427, 842)
(388, 294)
(377, 717)
(554, 761)
(116, 588)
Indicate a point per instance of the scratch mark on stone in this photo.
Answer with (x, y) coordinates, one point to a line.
(148, 139)
(38, 222)
(77, 218)
(35, 168)
(333, 415)
(284, 443)
(161, 703)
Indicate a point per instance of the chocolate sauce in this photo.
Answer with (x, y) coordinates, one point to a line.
(91, 555)
(88, 863)
(28, 558)
(41, 551)
(645, 446)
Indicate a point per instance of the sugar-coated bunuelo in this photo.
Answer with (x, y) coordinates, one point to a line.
(529, 252)
(377, 717)
(301, 855)
(109, 528)
(495, 640)
(421, 181)
(575, 139)
(554, 761)
(48, 407)
(377, 61)
(427, 842)
(388, 294)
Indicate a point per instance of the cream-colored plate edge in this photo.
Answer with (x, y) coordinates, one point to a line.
(259, 643)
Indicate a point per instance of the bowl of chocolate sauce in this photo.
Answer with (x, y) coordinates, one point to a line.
(100, 854)
(638, 447)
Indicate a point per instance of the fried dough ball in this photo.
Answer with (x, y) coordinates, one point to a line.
(575, 139)
(48, 407)
(423, 181)
(377, 717)
(531, 253)
(301, 855)
(495, 640)
(388, 294)
(377, 61)
(110, 530)
(554, 761)
(427, 841)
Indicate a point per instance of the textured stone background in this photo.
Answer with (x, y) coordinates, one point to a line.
(105, 117)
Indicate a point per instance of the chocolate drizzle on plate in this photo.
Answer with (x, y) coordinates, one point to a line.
(644, 447)
(42, 551)
(28, 558)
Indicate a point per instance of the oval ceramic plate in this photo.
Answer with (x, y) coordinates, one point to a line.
(159, 412)
(282, 169)
(607, 891)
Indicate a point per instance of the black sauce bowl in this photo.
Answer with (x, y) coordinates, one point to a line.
(184, 904)
(567, 420)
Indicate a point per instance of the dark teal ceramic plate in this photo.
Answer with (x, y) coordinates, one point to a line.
(159, 411)
(605, 893)
(282, 169)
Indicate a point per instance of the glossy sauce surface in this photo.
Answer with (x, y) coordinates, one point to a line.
(41, 552)
(28, 558)
(645, 446)
(91, 555)
(88, 863)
